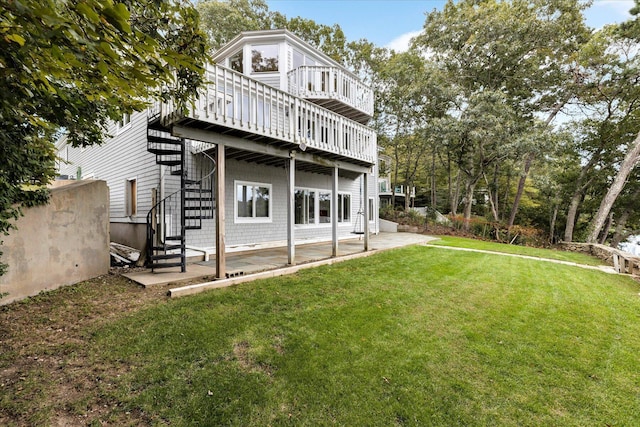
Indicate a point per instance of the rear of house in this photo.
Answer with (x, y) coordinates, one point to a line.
(274, 152)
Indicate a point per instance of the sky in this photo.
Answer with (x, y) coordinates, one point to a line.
(392, 23)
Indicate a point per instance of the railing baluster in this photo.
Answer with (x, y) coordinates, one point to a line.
(273, 112)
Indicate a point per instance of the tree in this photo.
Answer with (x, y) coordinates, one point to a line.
(72, 67)
(224, 19)
(477, 139)
(611, 101)
(522, 49)
(630, 160)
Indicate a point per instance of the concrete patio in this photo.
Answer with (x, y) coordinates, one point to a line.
(261, 263)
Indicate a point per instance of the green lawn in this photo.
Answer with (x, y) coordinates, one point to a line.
(416, 336)
(462, 242)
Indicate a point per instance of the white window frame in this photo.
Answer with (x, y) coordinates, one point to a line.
(241, 54)
(316, 207)
(372, 206)
(262, 45)
(253, 219)
(124, 123)
(341, 195)
(131, 197)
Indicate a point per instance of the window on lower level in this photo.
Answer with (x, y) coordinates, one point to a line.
(253, 202)
(344, 207)
(372, 216)
(312, 206)
(131, 197)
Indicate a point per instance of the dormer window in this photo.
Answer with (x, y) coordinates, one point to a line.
(236, 62)
(264, 58)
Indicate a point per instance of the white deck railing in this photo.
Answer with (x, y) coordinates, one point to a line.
(235, 101)
(384, 188)
(324, 82)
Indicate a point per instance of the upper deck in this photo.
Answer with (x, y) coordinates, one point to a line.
(234, 104)
(333, 88)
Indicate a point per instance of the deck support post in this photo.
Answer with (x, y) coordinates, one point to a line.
(291, 184)
(365, 216)
(220, 206)
(334, 213)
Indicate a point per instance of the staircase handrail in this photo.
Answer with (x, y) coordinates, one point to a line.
(150, 230)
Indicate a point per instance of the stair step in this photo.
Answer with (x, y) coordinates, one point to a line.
(169, 162)
(198, 199)
(165, 264)
(165, 256)
(198, 208)
(167, 247)
(173, 238)
(192, 217)
(199, 190)
(163, 140)
(164, 152)
(193, 227)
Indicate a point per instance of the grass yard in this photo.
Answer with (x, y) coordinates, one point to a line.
(462, 242)
(415, 336)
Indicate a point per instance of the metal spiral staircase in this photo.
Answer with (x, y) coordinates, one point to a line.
(189, 202)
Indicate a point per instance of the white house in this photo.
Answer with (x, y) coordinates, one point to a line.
(275, 151)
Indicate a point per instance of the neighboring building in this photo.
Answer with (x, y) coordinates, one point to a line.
(278, 137)
(385, 191)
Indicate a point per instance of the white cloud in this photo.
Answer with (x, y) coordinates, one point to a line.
(401, 43)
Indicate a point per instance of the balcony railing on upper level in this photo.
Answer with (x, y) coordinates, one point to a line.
(331, 83)
(238, 102)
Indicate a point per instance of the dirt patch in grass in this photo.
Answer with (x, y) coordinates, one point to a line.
(47, 372)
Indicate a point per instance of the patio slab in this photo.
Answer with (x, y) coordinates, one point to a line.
(243, 266)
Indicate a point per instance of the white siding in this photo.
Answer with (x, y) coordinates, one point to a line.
(276, 230)
(121, 157)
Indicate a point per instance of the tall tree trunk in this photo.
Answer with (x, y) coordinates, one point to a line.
(618, 234)
(496, 197)
(572, 214)
(605, 230)
(527, 166)
(470, 188)
(521, 183)
(505, 197)
(492, 203)
(552, 225)
(434, 202)
(456, 195)
(629, 162)
(407, 198)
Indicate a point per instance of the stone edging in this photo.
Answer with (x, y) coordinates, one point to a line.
(621, 261)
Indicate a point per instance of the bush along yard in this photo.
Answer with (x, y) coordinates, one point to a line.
(414, 336)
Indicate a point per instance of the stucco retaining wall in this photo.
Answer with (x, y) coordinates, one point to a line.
(61, 243)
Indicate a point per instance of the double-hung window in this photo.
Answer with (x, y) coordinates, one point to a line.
(252, 202)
